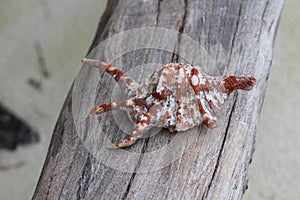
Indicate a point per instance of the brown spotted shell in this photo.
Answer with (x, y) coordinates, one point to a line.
(177, 97)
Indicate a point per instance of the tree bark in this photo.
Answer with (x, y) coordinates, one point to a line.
(210, 164)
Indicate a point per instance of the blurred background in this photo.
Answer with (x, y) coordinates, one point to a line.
(41, 43)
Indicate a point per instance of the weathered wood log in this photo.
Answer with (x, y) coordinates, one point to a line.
(200, 163)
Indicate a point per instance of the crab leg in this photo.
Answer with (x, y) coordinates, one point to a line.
(123, 80)
(125, 143)
(111, 106)
(141, 127)
(115, 105)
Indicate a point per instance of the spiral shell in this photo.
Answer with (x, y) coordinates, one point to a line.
(177, 96)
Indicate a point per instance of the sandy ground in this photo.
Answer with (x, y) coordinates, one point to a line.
(62, 32)
(274, 173)
(58, 32)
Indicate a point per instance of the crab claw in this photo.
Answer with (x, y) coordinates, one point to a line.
(97, 110)
(112, 146)
(125, 143)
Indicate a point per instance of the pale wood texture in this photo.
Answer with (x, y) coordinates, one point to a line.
(239, 36)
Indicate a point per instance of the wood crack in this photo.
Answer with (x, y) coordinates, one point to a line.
(221, 150)
(85, 178)
(262, 24)
(175, 57)
(147, 139)
(262, 20)
(158, 12)
(135, 169)
(235, 32)
(69, 171)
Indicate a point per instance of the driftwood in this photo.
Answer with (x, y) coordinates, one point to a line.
(202, 163)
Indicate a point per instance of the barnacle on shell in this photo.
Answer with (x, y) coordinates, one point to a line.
(178, 97)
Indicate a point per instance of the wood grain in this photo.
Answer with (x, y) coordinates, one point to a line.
(213, 164)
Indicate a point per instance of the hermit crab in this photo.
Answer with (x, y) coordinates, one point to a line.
(176, 96)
